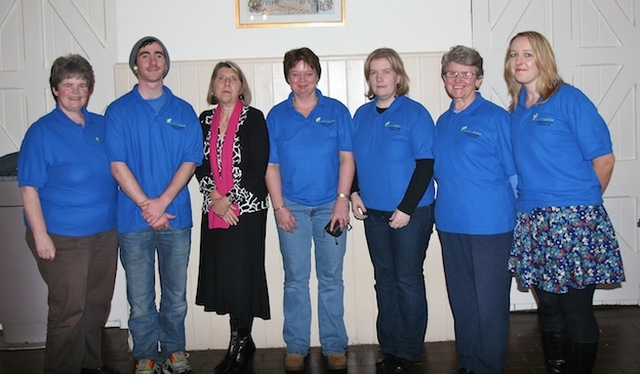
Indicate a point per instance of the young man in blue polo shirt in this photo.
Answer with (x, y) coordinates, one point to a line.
(154, 143)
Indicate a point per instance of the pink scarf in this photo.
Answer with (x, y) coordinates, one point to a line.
(223, 178)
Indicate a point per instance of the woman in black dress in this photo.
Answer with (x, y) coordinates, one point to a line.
(231, 277)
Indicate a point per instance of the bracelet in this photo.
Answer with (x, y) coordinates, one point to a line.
(231, 197)
(277, 209)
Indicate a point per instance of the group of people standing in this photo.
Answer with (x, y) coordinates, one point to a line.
(518, 192)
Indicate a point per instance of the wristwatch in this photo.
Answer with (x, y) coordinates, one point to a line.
(231, 197)
(342, 195)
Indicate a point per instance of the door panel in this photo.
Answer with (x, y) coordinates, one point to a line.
(595, 46)
(32, 35)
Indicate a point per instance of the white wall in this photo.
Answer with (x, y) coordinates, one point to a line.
(201, 30)
(205, 29)
(343, 79)
(34, 33)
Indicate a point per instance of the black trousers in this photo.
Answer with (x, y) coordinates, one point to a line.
(571, 312)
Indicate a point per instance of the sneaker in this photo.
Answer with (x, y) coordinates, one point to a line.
(293, 362)
(337, 361)
(147, 366)
(176, 363)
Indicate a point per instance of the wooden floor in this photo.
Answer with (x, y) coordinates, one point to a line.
(618, 352)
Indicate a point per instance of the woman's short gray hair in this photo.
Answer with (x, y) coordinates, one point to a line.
(464, 56)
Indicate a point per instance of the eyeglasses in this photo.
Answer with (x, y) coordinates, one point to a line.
(458, 74)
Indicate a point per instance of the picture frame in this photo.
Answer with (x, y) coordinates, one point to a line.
(289, 13)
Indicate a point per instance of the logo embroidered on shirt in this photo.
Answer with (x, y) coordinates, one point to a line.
(392, 126)
(325, 122)
(466, 130)
(542, 120)
(177, 125)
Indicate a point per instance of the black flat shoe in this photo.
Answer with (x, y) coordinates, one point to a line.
(401, 365)
(385, 361)
(462, 371)
(101, 370)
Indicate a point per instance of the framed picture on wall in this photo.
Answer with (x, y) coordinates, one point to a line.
(289, 13)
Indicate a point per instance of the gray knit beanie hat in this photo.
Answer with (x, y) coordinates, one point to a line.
(136, 47)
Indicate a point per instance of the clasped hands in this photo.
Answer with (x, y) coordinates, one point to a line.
(154, 213)
(222, 208)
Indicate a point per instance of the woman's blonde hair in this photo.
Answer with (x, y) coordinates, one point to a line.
(245, 92)
(549, 81)
(396, 65)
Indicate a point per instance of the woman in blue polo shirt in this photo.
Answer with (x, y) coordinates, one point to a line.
(309, 177)
(475, 213)
(69, 199)
(392, 140)
(564, 243)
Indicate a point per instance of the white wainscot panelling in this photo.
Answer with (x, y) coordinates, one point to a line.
(343, 79)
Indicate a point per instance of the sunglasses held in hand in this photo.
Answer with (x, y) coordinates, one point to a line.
(337, 231)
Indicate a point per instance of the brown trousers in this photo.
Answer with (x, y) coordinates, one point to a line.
(80, 281)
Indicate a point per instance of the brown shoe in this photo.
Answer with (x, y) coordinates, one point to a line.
(293, 362)
(337, 361)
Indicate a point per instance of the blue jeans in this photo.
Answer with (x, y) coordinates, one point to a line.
(398, 256)
(478, 285)
(148, 325)
(329, 257)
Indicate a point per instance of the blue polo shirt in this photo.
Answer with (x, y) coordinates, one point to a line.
(553, 144)
(473, 162)
(153, 145)
(68, 165)
(307, 149)
(386, 146)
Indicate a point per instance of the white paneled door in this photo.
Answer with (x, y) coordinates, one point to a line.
(595, 42)
(33, 33)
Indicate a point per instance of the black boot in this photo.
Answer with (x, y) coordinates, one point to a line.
(581, 357)
(244, 355)
(554, 346)
(232, 351)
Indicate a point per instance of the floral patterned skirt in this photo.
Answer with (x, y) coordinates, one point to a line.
(559, 247)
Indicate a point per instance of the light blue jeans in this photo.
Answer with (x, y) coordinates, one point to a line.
(148, 325)
(329, 258)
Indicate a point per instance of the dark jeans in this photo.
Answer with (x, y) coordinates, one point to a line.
(571, 312)
(478, 284)
(398, 256)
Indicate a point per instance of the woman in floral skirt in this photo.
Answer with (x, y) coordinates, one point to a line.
(564, 243)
